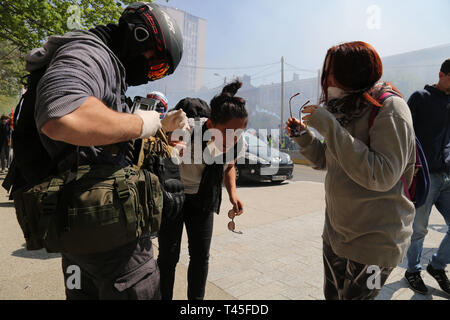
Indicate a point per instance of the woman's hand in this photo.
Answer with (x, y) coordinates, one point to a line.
(238, 206)
(293, 124)
(309, 110)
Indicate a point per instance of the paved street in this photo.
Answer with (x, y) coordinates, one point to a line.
(278, 257)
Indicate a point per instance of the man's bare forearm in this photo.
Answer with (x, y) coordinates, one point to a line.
(94, 124)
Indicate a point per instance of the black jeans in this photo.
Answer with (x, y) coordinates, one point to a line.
(348, 280)
(126, 273)
(199, 228)
(4, 156)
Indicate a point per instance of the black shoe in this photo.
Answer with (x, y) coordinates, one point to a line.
(440, 277)
(415, 282)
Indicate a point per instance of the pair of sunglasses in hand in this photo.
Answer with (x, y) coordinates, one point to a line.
(232, 224)
(295, 130)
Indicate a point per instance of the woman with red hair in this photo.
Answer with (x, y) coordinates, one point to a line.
(368, 221)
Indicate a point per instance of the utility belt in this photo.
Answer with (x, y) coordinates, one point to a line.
(102, 208)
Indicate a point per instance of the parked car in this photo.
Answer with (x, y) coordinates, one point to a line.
(263, 163)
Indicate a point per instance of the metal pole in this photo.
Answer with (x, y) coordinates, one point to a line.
(282, 96)
(319, 86)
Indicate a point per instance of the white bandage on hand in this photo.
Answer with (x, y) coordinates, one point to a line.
(150, 123)
(175, 120)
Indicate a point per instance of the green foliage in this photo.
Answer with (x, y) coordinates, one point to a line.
(7, 104)
(12, 69)
(26, 24)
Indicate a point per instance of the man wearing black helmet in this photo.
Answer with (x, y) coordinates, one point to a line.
(79, 102)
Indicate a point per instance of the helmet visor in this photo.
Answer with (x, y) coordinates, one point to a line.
(158, 70)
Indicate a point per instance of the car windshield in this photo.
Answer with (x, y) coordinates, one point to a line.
(254, 141)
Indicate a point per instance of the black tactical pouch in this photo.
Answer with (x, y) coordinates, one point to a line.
(151, 200)
(98, 211)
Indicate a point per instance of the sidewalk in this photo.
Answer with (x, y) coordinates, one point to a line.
(279, 256)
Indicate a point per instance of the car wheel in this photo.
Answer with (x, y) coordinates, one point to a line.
(238, 175)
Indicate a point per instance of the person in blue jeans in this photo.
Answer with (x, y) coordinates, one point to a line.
(430, 109)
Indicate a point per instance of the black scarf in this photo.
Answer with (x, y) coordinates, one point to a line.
(117, 38)
(111, 36)
(340, 107)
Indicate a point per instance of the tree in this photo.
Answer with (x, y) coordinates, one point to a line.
(11, 69)
(26, 24)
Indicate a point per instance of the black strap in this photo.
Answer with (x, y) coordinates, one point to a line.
(74, 170)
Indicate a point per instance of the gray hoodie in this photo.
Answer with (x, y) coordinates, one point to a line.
(80, 66)
(368, 217)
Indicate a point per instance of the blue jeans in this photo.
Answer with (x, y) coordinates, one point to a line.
(440, 197)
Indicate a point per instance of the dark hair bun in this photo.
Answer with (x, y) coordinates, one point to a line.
(226, 106)
(232, 88)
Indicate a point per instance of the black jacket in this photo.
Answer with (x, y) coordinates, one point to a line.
(5, 134)
(430, 110)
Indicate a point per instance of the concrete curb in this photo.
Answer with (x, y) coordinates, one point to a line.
(302, 162)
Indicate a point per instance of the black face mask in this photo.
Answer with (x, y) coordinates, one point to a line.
(137, 68)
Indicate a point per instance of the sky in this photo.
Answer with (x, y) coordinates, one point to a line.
(244, 33)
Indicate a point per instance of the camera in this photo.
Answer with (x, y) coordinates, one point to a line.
(148, 104)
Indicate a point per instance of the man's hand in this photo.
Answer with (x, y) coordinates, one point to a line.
(150, 123)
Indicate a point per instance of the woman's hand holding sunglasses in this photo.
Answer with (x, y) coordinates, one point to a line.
(232, 225)
(309, 111)
(294, 127)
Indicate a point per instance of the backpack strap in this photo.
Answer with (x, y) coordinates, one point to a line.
(373, 115)
(405, 188)
(375, 110)
(384, 96)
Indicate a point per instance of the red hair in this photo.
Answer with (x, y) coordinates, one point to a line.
(356, 66)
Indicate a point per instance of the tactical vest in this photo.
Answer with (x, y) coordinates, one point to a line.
(64, 207)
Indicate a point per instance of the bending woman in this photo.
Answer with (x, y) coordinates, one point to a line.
(368, 221)
(203, 188)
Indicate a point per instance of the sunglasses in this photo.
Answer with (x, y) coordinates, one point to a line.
(296, 131)
(231, 224)
(301, 109)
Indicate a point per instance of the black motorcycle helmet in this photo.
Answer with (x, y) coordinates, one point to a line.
(150, 27)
